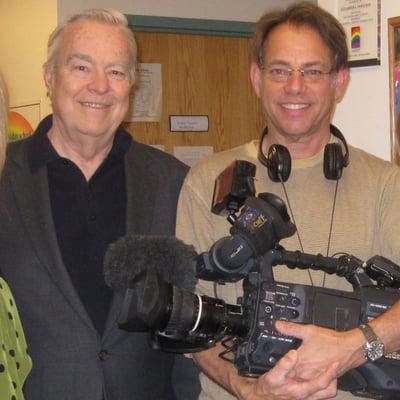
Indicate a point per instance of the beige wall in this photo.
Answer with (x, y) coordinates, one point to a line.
(25, 26)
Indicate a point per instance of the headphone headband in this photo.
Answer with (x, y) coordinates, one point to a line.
(336, 132)
(278, 161)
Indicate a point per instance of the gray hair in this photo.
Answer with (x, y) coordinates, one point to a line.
(108, 16)
(3, 121)
(299, 15)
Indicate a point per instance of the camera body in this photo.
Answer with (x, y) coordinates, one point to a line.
(266, 301)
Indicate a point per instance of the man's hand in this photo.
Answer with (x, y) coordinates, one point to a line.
(278, 383)
(322, 347)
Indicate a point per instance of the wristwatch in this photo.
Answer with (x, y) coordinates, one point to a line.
(374, 347)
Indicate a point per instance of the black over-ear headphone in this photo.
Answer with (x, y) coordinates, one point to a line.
(279, 163)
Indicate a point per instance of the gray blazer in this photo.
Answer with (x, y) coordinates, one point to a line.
(70, 359)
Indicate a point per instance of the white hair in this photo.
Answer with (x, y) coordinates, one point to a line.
(108, 16)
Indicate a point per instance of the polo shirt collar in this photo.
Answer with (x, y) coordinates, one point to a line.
(41, 151)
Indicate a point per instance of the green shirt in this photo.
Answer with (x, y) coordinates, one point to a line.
(15, 362)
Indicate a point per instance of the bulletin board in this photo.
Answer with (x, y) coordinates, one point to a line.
(394, 81)
(202, 75)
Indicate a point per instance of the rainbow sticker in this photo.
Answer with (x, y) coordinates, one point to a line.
(18, 126)
(355, 37)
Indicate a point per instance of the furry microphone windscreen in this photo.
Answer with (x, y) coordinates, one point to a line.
(131, 255)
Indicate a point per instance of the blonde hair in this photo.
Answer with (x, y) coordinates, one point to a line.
(3, 121)
(107, 16)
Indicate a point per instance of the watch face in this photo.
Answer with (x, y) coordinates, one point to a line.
(375, 350)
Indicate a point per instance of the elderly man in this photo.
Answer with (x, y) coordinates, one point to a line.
(342, 200)
(76, 185)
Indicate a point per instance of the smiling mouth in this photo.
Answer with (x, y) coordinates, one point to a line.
(295, 106)
(94, 105)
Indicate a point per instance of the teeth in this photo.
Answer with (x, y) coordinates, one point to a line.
(292, 106)
(93, 105)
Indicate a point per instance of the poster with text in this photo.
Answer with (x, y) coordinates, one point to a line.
(146, 96)
(361, 22)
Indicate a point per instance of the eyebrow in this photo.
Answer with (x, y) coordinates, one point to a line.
(87, 58)
(305, 65)
(79, 56)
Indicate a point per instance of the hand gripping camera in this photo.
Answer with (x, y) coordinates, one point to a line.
(180, 321)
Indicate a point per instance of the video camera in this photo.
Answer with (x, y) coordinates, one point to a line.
(181, 321)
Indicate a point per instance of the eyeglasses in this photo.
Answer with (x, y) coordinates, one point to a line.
(281, 74)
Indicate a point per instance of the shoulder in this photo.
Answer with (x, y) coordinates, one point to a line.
(200, 180)
(364, 161)
(154, 158)
(358, 154)
(19, 146)
(210, 167)
(18, 153)
(369, 172)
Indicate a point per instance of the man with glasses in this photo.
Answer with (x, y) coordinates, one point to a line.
(282, 74)
(299, 72)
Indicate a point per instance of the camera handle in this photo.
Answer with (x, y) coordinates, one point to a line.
(346, 266)
(380, 269)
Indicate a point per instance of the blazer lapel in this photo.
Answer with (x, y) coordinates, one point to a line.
(32, 197)
(141, 188)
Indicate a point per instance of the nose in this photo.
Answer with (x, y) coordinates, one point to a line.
(295, 82)
(99, 82)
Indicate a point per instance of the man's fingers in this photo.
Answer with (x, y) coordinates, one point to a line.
(290, 328)
(327, 381)
(283, 368)
(324, 386)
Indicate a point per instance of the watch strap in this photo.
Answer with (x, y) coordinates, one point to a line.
(374, 347)
(368, 332)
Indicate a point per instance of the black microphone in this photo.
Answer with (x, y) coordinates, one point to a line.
(157, 277)
(154, 272)
(131, 255)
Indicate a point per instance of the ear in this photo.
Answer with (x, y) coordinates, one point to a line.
(256, 78)
(48, 76)
(341, 81)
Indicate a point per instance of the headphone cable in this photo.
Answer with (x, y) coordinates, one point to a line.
(331, 227)
(294, 221)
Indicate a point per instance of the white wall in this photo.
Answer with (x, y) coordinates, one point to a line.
(364, 114)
